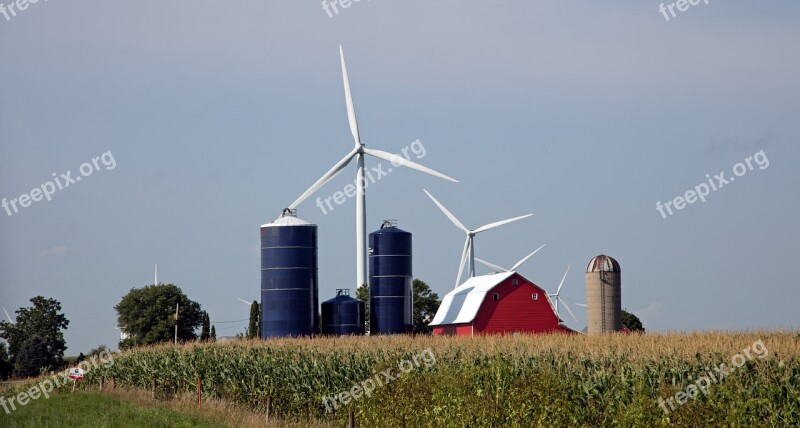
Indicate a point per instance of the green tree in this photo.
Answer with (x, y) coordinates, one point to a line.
(253, 327)
(147, 315)
(362, 293)
(5, 363)
(32, 358)
(213, 334)
(426, 303)
(97, 351)
(44, 320)
(632, 321)
(205, 329)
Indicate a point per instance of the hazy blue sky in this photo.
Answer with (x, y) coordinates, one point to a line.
(218, 115)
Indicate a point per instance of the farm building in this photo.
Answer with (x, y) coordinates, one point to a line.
(499, 303)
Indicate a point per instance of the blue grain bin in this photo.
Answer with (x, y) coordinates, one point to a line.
(343, 315)
(289, 284)
(390, 280)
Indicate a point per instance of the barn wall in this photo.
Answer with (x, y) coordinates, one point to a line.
(516, 311)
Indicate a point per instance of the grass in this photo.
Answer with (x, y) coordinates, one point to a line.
(90, 409)
(132, 408)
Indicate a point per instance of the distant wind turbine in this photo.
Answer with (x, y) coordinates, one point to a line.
(469, 247)
(557, 296)
(7, 315)
(513, 268)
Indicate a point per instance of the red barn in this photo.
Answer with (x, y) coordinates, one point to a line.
(497, 304)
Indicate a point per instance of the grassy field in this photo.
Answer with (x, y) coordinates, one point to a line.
(615, 380)
(90, 409)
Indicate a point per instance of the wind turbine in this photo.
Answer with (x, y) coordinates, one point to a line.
(358, 153)
(469, 247)
(513, 268)
(557, 296)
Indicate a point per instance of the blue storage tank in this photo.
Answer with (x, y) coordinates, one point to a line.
(390, 301)
(289, 283)
(343, 315)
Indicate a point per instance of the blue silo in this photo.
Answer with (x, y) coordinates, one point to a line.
(289, 284)
(390, 298)
(343, 315)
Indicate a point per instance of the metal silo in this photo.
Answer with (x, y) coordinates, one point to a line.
(289, 284)
(603, 295)
(343, 315)
(390, 298)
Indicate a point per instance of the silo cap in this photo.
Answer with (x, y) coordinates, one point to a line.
(603, 263)
(287, 218)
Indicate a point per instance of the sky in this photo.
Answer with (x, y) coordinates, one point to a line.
(191, 123)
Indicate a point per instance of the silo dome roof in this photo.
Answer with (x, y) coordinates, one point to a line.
(288, 218)
(603, 263)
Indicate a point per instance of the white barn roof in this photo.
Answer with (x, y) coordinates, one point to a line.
(461, 305)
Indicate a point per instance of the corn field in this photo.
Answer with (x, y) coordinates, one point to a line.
(514, 381)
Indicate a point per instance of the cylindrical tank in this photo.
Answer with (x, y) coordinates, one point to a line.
(390, 298)
(289, 284)
(603, 295)
(343, 315)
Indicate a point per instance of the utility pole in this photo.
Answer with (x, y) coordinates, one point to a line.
(176, 324)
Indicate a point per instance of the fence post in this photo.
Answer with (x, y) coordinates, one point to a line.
(101, 383)
(199, 392)
(269, 404)
(351, 418)
(113, 383)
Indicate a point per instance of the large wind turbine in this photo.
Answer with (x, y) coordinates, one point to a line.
(469, 247)
(359, 152)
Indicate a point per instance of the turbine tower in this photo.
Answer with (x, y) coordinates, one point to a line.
(359, 152)
(469, 247)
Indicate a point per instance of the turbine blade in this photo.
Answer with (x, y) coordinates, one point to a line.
(348, 99)
(519, 263)
(7, 315)
(492, 265)
(558, 292)
(463, 260)
(580, 304)
(500, 223)
(401, 161)
(325, 178)
(246, 302)
(567, 308)
(447, 213)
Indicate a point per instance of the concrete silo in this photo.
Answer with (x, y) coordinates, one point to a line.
(289, 284)
(603, 295)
